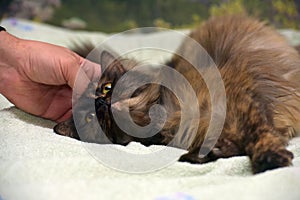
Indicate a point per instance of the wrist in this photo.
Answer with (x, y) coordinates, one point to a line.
(12, 58)
(12, 52)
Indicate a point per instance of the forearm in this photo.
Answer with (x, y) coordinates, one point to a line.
(11, 59)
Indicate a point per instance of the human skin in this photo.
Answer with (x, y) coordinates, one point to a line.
(39, 78)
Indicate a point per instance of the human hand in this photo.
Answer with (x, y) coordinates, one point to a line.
(38, 77)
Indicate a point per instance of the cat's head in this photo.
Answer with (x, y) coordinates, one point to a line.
(94, 107)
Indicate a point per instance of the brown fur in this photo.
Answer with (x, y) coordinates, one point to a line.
(261, 75)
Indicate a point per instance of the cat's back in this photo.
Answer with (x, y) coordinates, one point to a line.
(238, 37)
(242, 45)
(253, 59)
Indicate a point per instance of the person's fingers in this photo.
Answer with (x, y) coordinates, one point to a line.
(68, 68)
(64, 117)
(73, 70)
(57, 103)
(92, 70)
(88, 72)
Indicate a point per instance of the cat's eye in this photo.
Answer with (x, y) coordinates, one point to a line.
(106, 88)
(89, 117)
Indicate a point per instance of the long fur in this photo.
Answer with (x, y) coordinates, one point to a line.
(261, 76)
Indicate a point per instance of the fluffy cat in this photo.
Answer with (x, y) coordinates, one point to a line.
(261, 75)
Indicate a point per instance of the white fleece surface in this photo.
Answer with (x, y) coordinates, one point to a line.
(37, 164)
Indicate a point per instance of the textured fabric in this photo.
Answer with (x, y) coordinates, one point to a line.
(37, 164)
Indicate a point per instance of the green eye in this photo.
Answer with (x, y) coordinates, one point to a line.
(106, 88)
(89, 117)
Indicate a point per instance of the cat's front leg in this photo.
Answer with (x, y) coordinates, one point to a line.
(193, 157)
(67, 128)
(269, 152)
(224, 148)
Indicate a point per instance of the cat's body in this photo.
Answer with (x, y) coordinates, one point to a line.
(261, 75)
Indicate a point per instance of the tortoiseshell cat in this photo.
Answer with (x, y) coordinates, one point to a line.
(261, 74)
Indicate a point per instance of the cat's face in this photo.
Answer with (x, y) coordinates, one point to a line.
(93, 114)
(94, 108)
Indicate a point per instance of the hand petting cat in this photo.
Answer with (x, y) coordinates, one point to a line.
(38, 77)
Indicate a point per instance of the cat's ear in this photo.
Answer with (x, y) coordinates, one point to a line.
(112, 67)
(107, 58)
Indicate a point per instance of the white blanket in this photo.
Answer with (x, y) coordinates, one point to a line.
(35, 163)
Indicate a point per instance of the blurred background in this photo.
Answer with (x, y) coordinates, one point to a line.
(119, 15)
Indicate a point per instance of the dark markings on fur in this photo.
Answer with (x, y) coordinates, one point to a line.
(261, 74)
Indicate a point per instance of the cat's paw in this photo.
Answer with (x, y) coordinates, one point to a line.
(191, 158)
(67, 128)
(195, 159)
(271, 159)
